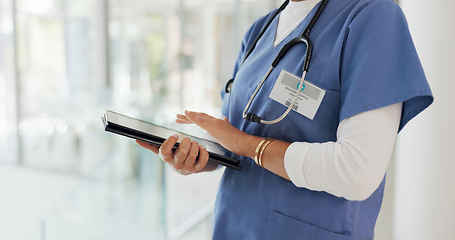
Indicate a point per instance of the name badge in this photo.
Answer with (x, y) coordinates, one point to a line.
(286, 88)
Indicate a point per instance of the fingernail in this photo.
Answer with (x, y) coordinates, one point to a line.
(202, 147)
(176, 136)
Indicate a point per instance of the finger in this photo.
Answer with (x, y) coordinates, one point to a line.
(202, 160)
(181, 153)
(198, 118)
(182, 119)
(191, 158)
(151, 147)
(165, 150)
(183, 172)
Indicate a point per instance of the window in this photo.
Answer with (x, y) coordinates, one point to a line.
(146, 58)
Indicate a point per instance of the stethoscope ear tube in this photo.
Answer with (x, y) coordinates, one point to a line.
(287, 46)
(228, 86)
(250, 50)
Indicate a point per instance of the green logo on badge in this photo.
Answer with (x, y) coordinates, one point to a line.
(298, 86)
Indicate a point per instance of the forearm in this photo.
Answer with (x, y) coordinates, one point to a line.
(352, 167)
(273, 156)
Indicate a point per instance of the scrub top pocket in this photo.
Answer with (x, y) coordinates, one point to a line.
(276, 106)
(296, 127)
(329, 111)
(280, 226)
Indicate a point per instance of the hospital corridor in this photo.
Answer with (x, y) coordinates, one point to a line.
(63, 63)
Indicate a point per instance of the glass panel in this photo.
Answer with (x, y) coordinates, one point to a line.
(146, 58)
(59, 84)
(8, 133)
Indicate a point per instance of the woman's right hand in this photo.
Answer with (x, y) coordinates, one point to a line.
(188, 158)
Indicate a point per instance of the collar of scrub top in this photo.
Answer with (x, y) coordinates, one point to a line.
(303, 38)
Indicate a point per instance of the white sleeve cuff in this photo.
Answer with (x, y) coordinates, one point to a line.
(294, 160)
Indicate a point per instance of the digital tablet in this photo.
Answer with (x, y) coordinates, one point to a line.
(151, 133)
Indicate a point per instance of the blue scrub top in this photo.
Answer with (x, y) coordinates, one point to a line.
(365, 59)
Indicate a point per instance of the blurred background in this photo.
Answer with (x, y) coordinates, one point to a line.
(64, 62)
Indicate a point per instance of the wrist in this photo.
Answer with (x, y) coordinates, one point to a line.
(248, 145)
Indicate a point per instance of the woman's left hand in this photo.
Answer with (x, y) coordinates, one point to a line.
(222, 131)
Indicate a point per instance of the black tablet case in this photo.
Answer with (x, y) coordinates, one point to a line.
(227, 160)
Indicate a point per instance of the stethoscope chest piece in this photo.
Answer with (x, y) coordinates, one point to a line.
(228, 86)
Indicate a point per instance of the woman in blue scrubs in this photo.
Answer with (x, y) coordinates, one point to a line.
(317, 174)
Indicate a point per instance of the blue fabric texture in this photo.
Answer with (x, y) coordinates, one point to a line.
(365, 59)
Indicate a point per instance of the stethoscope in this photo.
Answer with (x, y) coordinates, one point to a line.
(304, 37)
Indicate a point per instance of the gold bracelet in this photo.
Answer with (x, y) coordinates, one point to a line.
(258, 148)
(262, 150)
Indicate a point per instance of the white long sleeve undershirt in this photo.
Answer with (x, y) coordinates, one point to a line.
(354, 165)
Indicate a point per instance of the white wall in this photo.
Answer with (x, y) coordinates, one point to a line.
(425, 163)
